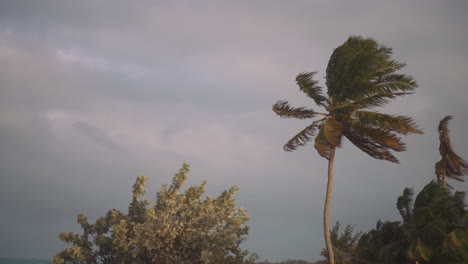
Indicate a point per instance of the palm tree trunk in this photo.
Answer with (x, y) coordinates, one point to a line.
(443, 181)
(326, 209)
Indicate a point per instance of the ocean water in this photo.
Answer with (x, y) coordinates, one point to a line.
(24, 261)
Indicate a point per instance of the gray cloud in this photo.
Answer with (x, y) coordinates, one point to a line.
(93, 95)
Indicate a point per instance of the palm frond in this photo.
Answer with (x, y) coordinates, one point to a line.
(321, 144)
(377, 100)
(329, 136)
(385, 138)
(443, 126)
(302, 137)
(451, 165)
(361, 68)
(345, 109)
(352, 66)
(333, 132)
(310, 86)
(369, 146)
(401, 124)
(386, 68)
(404, 204)
(457, 239)
(283, 109)
(418, 249)
(396, 82)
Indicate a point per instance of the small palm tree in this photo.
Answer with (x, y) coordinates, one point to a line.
(360, 76)
(451, 165)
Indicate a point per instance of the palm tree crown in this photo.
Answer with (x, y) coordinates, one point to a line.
(360, 76)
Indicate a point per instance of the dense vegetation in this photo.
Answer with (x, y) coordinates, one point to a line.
(433, 230)
(178, 228)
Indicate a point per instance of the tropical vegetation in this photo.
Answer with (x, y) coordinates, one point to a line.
(361, 75)
(433, 230)
(344, 243)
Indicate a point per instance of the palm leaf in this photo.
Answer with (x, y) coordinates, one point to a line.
(344, 109)
(321, 144)
(377, 99)
(404, 204)
(333, 132)
(369, 146)
(302, 137)
(419, 250)
(396, 82)
(309, 86)
(351, 71)
(283, 109)
(451, 164)
(457, 239)
(388, 67)
(398, 123)
(384, 138)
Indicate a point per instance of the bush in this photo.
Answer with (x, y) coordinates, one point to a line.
(178, 228)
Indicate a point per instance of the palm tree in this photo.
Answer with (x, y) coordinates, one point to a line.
(451, 165)
(360, 76)
(434, 230)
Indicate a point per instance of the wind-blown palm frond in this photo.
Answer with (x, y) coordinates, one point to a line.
(368, 145)
(419, 250)
(396, 82)
(344, 109)
(321, 144)
(404, 204)
(302, 137)
(333, 132)
(388, 67)
(329, 136)
(283, 109)
(377, 100)
(385, 138)
(361, 68)
(310, 86)
(398, 123)
(451, 165)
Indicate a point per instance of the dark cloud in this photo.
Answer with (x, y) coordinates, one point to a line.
(94, 94)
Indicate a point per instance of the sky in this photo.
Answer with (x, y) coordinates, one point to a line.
(95, 93)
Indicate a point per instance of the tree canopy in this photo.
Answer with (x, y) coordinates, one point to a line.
(344, 243)
(360, 75)
(178, 228)
(433, 230)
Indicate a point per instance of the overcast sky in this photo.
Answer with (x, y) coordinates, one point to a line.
(95, 93)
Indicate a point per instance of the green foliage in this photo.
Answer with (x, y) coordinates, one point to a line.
(360, 75)
(178, 228)
(344, 243)
(434, 230)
